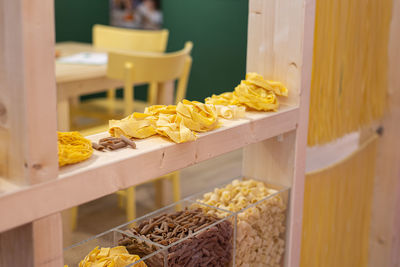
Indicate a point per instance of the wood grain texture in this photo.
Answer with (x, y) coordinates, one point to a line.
(16, 247)
(385, 225)
(106, 173)
(280, 41)
(337, 211)
(47, 241)
(27, 87)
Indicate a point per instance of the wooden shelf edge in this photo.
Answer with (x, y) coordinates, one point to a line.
(108, 172)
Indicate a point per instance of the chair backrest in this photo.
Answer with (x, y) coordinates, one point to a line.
(107, 37)
(137, 67)
(148, 67)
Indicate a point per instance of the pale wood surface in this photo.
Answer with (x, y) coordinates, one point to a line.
(47, 241)
(27, 79)
(385, 224)
(16, 247)
(279, 47)
(106, 173)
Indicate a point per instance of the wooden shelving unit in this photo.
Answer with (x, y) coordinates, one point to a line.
(33, 190)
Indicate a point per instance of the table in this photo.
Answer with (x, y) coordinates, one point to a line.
(74, 80)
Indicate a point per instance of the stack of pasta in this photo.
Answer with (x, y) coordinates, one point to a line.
(181, 122)
(260, 220)
(116, 257)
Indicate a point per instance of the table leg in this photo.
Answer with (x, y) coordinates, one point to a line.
(165, 94)
(63, 115)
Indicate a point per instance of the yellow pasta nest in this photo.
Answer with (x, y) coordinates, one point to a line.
(224, 99)
(107, 257)
(178, 123)
(137, 125)
(256, 97)
(197, 116)
(73, 148)
(273, 86)
(181, 122)
(255, 93)
(173, 127)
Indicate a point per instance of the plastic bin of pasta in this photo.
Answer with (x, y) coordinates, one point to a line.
(260, 210)
(101, 250)
(183, 234)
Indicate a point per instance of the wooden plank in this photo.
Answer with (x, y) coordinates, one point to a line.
(107, 172)
(285, 49)
(28, 96)
(47, 241)
(16, 247)
(385, 235)
(26, 81)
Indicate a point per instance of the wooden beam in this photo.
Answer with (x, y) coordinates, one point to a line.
(385, 224)
(28, 116)
(16, 247)
(107, 172)
(280, 47)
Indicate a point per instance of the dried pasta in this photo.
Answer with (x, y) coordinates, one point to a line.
(107, 257)
(181, 122)
(255, 93)
(73, 148)
(197, 116)
(173, 127)
(349, 76)
(137, 125)
(259, 240)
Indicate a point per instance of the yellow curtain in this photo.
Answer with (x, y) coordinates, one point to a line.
(349, 79)
(337, 211)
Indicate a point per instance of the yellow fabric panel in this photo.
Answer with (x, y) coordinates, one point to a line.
(349, 77)
(337, 211)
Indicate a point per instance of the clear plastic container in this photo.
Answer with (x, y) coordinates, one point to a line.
(73, 255)
(211, 244)
(260, 225)
(252, 235)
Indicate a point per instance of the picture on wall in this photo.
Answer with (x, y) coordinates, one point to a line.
(137, 14)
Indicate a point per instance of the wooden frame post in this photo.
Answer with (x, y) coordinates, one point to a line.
(280, 46)
(28, 119)
(384, 244)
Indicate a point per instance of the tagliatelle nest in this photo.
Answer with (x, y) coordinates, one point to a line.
(73, 148)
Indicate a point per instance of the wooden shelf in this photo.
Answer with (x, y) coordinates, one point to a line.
(108, 172)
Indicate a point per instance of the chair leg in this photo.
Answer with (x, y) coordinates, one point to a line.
(176, 185)
(152, 93)
(159, 193)
(129, 94)
(74, 218)
(111, 100)
(120, 201)
(176, 188)
(130, 204)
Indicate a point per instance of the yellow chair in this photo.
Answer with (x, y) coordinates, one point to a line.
(114, 38)
(135, 67)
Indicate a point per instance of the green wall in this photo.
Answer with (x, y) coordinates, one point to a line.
(218, 29)
(75, 18)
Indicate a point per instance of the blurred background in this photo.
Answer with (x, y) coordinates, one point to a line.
(218, 29)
